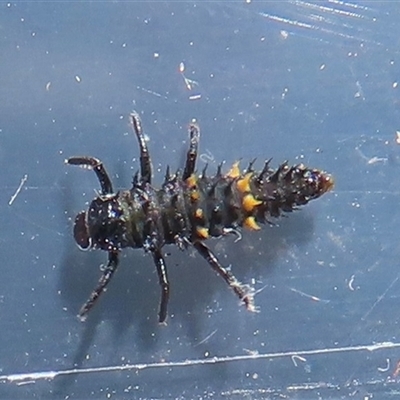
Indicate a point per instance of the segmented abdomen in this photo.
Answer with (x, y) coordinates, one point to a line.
(203, 206)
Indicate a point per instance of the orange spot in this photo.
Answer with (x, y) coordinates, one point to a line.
(234, 172)
(249, 202)
(191, 181)
(243, 184)
(250, 223)
(195, 195)
(199, 213)
(202, 233)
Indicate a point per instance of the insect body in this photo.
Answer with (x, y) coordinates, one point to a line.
(186, 210)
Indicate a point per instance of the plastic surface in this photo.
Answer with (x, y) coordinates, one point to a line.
(312, 82)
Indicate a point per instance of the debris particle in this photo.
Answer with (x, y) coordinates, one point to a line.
(385, 369)
(189, 83)
(296, 357)
(284, 34)
(351, 281)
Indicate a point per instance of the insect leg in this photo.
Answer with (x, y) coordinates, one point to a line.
(194, 135)
(244, 292)
(103, 282)
(97, 166)
(145, 162)
(163, 279)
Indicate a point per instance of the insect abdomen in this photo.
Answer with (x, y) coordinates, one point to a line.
(221, 203)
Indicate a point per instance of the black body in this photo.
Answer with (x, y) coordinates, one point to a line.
(186, 210)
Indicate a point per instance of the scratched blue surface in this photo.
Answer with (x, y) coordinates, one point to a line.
(312, 82)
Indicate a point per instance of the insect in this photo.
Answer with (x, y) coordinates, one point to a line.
(188, 209)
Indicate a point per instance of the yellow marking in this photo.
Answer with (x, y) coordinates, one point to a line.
(250, 223)
(199, 213)
(195, 195)
(202, 233)
(234, 172)
(243, 184)
(191, 181)
(249, 202)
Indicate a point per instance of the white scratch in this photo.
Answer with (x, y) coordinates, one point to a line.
(152, 92)
(207, 337)
(14, 196)
(350, 5)
(309, 296)
(48, 375)
(329, 10)
(380, 298)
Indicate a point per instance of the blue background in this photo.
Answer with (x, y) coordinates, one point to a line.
(312, 82)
